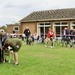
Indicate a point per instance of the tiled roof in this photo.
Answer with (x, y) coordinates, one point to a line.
(58, 14)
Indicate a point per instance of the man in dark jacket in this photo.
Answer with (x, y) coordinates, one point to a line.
(27, 34)
(67, 31)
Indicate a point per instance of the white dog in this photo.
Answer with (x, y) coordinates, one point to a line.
(47, 42)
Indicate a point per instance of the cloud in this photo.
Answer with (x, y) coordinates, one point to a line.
(55, 4)
(14, 10)
(9, 17)
(10, 6)
(19, 4)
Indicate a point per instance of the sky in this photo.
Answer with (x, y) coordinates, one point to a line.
(12, 11)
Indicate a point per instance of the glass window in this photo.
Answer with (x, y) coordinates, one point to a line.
(73, 27)
(57, 23)
(63, 23)
(47, 23)
(73, 22)
(16, 28)
(41, 23)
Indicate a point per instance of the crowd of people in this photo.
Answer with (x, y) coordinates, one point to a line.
(68, 36)
(38, 38)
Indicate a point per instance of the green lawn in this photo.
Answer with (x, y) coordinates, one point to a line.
(38, 60)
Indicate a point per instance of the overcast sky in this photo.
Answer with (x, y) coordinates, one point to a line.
(11, 11)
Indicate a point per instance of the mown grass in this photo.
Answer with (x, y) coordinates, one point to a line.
(38, 60)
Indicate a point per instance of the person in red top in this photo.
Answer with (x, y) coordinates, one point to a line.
(50, 35)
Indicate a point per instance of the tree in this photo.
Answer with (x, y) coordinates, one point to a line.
(5, 28)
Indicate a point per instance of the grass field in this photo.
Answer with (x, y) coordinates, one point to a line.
(38, 60)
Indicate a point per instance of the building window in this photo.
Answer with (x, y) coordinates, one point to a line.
(58, 28)
(16, 28)
(61, 23)
(47, 23)
(42, 28)
(57, 23)
(64, 23)
(73, 23)
(41, 23)
(44, 23)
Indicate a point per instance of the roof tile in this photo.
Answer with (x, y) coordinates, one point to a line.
(56, 14)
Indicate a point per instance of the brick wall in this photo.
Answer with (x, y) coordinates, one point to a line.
(31, 26)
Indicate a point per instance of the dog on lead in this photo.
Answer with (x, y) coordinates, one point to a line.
(7, 53)
(31, 40)
(47, 42)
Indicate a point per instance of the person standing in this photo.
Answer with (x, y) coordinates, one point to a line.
(50, 35)
(0, 49)
(3, 37)
(27, 34)
(67, 32)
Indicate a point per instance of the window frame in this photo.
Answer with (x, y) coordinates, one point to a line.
(16, 27)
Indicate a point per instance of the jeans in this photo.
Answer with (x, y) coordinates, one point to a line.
(27, 39)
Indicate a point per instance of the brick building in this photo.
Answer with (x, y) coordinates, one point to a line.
(40, 21)
(13, 27)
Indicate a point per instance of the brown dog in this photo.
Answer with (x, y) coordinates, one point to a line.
(30, 40)
(7, 54)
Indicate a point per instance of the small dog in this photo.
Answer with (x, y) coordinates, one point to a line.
(47, 41)
(7, 54)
